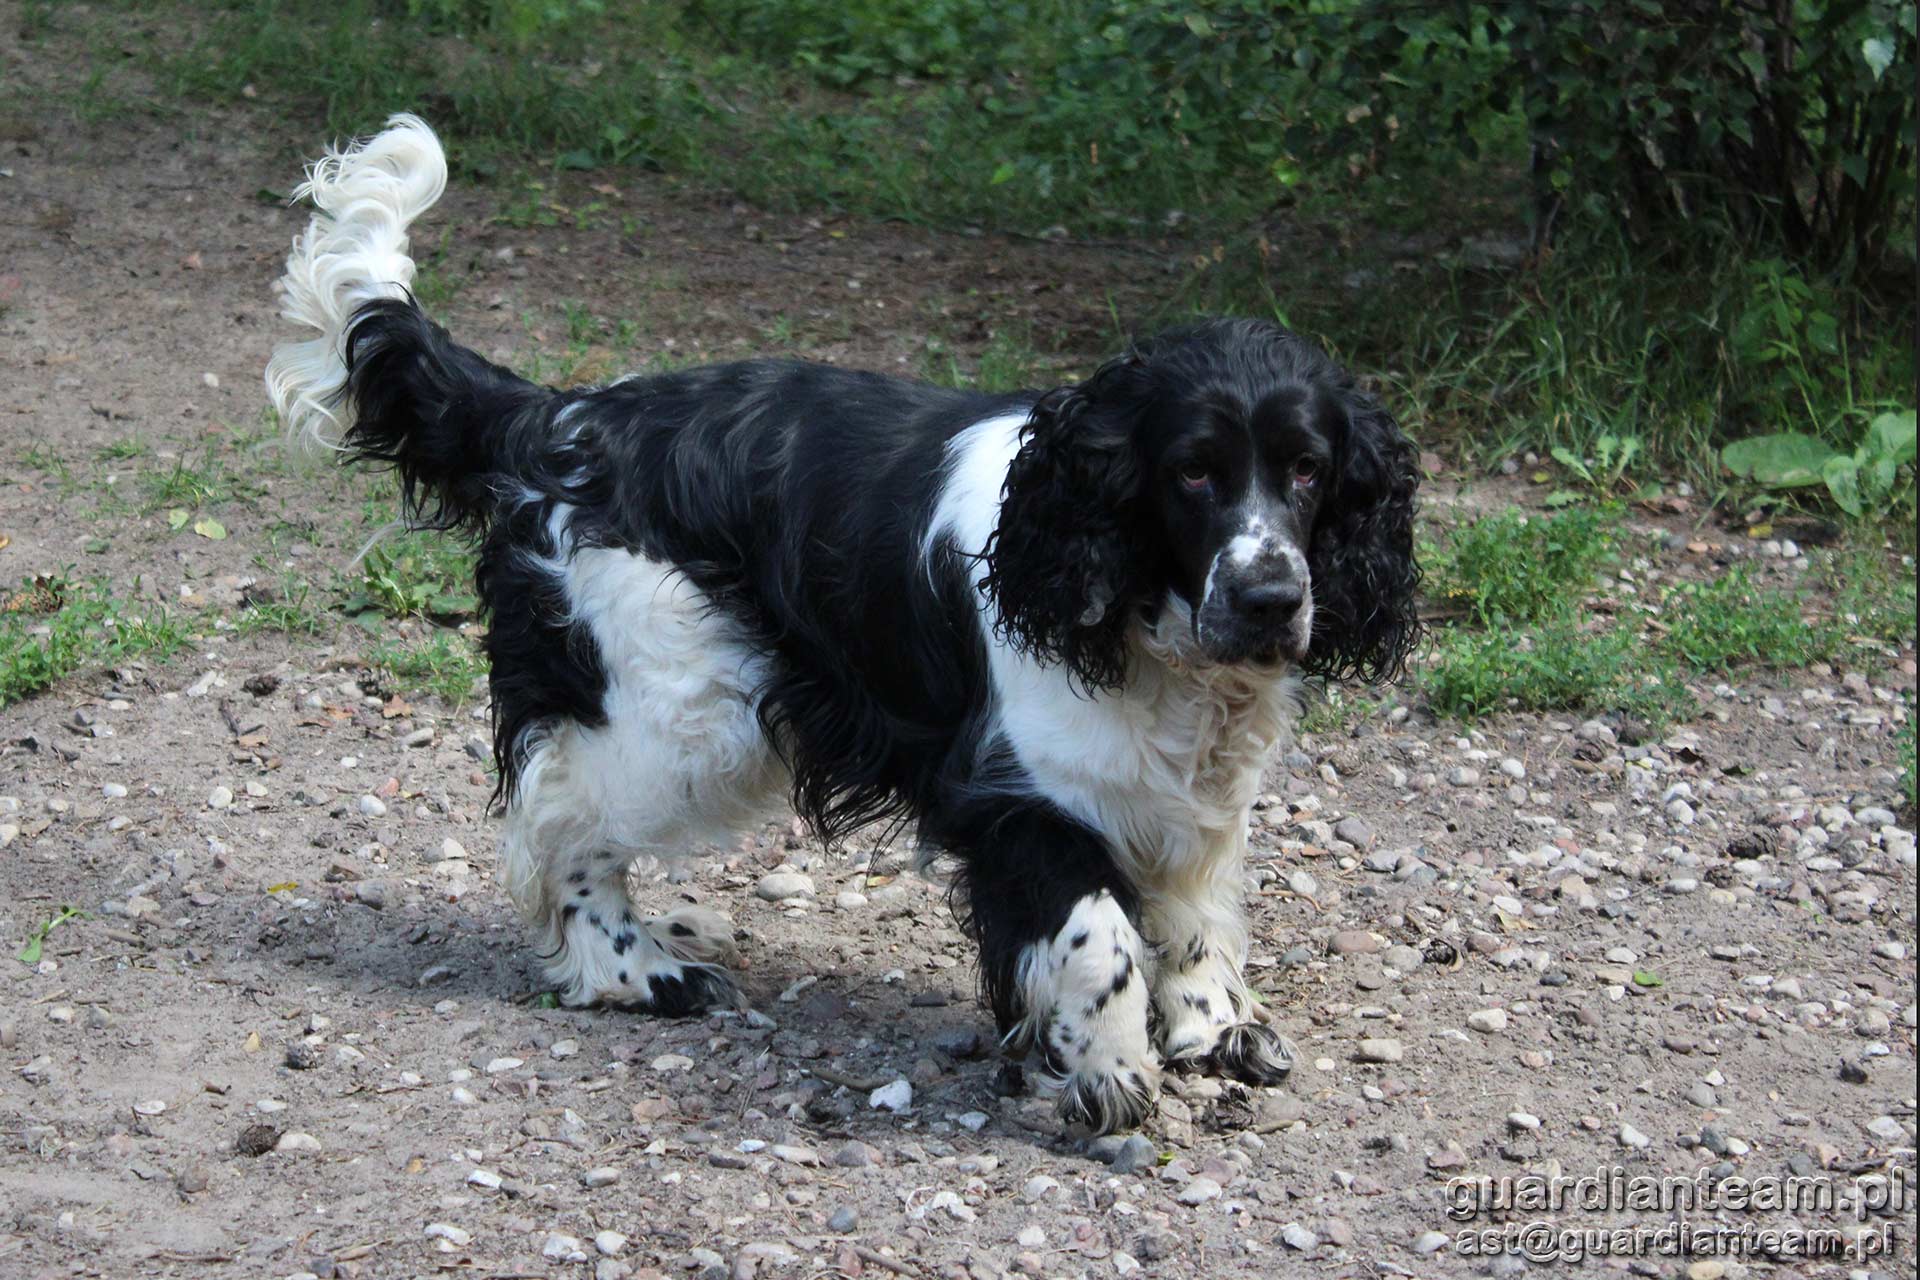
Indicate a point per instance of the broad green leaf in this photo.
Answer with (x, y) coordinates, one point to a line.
(208, 527)
(1842, 477)
(1891, 435)
(1788, 460)
(177, 519)
(1878, 51)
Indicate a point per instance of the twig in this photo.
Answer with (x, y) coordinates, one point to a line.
(860, 1083)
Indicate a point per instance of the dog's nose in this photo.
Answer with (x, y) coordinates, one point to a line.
(1269, 603)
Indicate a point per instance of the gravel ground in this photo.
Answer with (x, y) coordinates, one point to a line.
(294, 1032)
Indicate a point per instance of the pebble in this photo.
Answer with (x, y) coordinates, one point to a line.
(499, 1066)
(603, 1176)
(1430, 1241)
(1632, 1137)
(559, 1248)
(1402, 957)
(897, 1096)
(372, 806)
(844, 1219)
(1462, 776)
(1354, 831)
(451, 1234)
(303, 1142)
(114, 791)
(778, 886)
(1199, 1191)
(1135, 1154)
(1030, 1237)
(1353, 942)
(1378, 1050)
(1302, 883)
(1523, 1120)
(610, 1244)
(1488, 1021)
(1038, 1186)
(220, 798)
(1295, 1236)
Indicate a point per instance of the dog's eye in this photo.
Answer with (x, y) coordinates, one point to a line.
(1306, 472)
(1195, 477)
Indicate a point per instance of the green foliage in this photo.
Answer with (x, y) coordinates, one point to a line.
(446, 664)
(1515, 568)
(418, 574)
(1862, 483)
(1733, 621)
(86, 628)
(1557, 666)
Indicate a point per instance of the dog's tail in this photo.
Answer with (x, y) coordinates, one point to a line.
(381, 381)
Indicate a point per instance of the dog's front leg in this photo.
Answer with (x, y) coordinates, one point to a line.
(1205, 1009)
(1062, 959)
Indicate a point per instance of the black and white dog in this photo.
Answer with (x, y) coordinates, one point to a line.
(1056, 630)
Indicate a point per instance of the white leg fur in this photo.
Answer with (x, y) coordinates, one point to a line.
(680, 762)
(353, 252)
(1086, 994)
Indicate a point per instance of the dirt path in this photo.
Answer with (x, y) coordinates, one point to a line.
(294, 1032)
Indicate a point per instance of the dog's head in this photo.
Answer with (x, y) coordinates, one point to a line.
(1230, 472)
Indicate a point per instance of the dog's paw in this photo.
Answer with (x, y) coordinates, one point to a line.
(1253, 1053)
(677, 991)
(1108, 1103)
(695, 935)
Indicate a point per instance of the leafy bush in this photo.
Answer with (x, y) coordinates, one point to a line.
(1863, 482)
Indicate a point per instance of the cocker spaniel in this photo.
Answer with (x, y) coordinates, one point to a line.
(1058, 631)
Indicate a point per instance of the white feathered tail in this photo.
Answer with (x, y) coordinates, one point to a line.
(353, 252)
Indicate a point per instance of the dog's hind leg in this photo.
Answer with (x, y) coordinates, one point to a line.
(679, 760)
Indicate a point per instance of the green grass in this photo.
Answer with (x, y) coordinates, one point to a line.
(1557, 666)
(417, 574)
(1904, 756)
(1515, 567)
(1733, 621)
(184, 486)
(1516, 635)
(90, 629)
(288, 611)
(445, 664)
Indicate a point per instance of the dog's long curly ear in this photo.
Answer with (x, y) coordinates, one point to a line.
(1365, 617)
(1067, 565)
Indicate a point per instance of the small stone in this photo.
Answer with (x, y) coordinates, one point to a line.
(149, 1107)
(373, 806)
(559, 1248)
(220, 798)
(1199, 1191)
(485, 1178)
(499, 1066)
(1488, 1021)
(897, 1096)
(451, 1234)
(302, 1056)
(1135, 1154)
(1402, 957)
(1378, 1050)
(563, 1048)
(610, 1244)
(844, 1219)
(1523, 1120)
(1038, 1187)
(1462, 776)
(114, 791)
(1295, 1236)
(1430, 1242)
(1632, 1137)
(297, 1142)
(1303, 884)
(778, 886)
(1353, 942)
(1030, 1237)
(1354, 831)
(603, 1176)
(418, 738)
